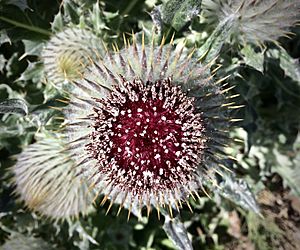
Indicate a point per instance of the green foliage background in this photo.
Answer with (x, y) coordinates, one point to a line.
(267, 79)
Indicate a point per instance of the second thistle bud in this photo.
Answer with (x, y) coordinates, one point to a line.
(68, 53)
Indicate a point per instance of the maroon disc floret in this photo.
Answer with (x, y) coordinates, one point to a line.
(147, 137)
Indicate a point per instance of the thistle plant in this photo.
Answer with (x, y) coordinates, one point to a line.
(46, 181)
(146, 125)
(68, 53)
(256, 21)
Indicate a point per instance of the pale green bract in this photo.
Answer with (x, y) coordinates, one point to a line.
(68, 53)
(46, 180)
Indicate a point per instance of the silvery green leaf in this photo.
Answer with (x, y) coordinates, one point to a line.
(213, 45)
(2, 62)
(238, 191)
(72, 10)
(21, 4)
(19, 241)
(157, 20)
(33, 48)
(252, 58)
(10, 131)
(291, 176)
(96, 18)
(14, 106)
(289, 170)
(177, 233)
(9, 66)
(287, 63)
(177, 12)
(58, 23)
(33, 72)
(85, 238)
(4, 37)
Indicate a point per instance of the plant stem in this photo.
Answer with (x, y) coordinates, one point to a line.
(25, 26)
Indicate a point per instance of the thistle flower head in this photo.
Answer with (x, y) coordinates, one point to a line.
(147, 137)
(145, 124)
(68, 53)
(45, 180)
(257, 21)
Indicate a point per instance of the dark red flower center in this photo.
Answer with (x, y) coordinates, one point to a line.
(147, 137)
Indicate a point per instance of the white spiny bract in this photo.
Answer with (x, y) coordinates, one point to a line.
(46, 180)
(68, 53)
(257, 21)
(146, 125)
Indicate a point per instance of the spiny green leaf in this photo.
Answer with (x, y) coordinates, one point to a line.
(289, 170)
(19, 241)
(4, 37)
(72, 11)
(21, 4)
(58, 23)
(213, 45)
(33, 72)
(32, 48)
(157, 20)
(2, 62)
(177, 12)
(96, 17)
(252, 58)
(177, 233)
(238, 191)
(14, 106)
(291, 177)
(287, 63)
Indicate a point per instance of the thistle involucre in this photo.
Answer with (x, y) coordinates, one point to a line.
(68, 53)
(257, 21)
(145, 126)
(45, 180)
